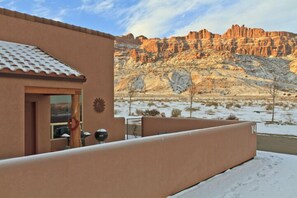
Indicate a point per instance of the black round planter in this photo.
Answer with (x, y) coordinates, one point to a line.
(101, 135)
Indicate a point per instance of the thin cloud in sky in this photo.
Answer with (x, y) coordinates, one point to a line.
(269, 15)
(96, 6)
(42, 9)
(9, 4)
(157, 18)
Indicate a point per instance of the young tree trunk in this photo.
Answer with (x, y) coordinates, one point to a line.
(273, 105)
(191, 102)
(130, 101)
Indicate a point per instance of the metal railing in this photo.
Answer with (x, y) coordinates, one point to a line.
(133, 128)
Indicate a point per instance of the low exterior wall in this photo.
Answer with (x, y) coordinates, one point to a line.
(148, 167)
(58, 144)
(119, 130)
(277, 143)
(158, 125)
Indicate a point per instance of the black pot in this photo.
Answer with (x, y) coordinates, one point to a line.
(101, 135)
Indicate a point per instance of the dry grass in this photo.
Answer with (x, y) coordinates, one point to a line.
(209, 104)
(269, 107)
(232, 117)
(151, 104)
(192, 109)
(210, 112)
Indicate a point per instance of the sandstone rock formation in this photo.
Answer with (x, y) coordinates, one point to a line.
(235, 59)
(180, 81)
(237, 39)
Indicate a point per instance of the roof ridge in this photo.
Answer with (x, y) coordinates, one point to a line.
(20, 15)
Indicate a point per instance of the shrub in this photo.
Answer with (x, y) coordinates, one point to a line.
(269, 107)
(209, 104)
(192, 109)
(151, 104)
(176, 113)
(210, 112)
(153, 112)
(290, 119)
(139, 112)
(232, 117)
(250, 103)
(237, 105)
(271, 122)
(285, 106)
(163, 105)
(229, 105)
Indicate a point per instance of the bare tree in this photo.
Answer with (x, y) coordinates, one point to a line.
(131, 93)
(193, 90)
(273, 91)
(274, 74)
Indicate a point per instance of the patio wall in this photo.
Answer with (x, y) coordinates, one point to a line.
(157, 125)
(155, 166)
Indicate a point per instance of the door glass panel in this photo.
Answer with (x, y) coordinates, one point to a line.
(60, 113)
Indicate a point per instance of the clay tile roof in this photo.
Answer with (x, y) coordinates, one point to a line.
(27, 59)
(36, 19)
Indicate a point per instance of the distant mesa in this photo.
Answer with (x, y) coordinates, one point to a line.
(233, 63)
(237, 39)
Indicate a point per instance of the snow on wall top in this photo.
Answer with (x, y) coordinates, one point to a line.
(15, 56)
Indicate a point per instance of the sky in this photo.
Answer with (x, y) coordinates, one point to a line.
(163, 18)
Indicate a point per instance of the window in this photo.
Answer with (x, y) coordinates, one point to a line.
(60, 113)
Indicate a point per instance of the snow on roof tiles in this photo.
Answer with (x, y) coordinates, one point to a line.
(15, 56)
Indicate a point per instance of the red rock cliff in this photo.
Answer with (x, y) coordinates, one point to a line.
(237, 39)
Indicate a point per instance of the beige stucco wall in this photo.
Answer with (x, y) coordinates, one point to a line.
(12, 114)
(90, 54)
(149, 167)
(58, 144)
(157, 125)
(43, 113)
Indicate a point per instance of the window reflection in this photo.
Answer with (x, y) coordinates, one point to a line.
(60, 113)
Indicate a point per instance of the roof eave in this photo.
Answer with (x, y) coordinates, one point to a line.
(81, 79)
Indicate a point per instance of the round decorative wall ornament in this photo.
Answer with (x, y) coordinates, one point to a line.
(99, 105)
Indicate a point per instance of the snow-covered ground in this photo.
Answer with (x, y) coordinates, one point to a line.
(286, 112)
(267, 175)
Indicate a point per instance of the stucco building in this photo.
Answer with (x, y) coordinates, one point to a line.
(40, 58)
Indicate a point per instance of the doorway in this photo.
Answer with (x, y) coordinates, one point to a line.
(30, 128)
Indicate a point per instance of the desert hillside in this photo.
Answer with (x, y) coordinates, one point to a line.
(242, 61)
